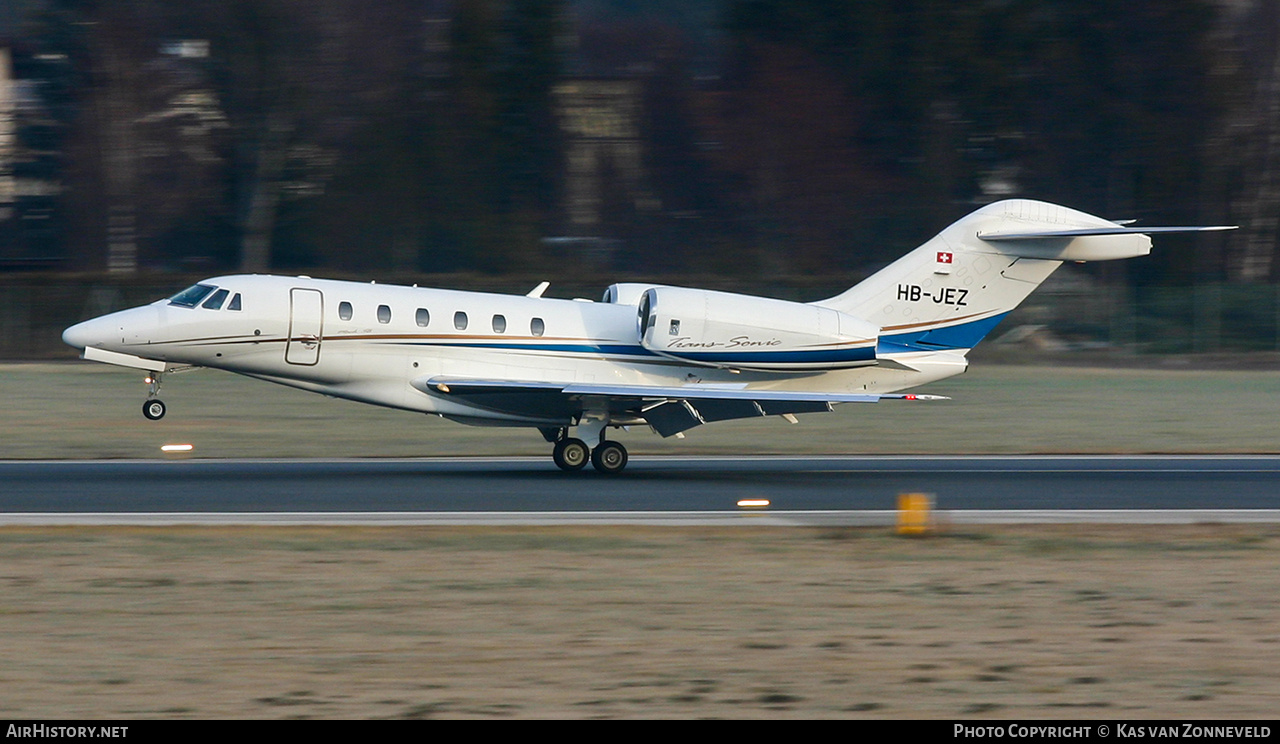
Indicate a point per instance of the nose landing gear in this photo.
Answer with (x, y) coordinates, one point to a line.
(153, 408)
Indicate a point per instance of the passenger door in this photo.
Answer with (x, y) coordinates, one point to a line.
(306, 326)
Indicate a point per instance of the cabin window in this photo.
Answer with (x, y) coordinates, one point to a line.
(537, 327)
(460, 320)
(344, 311)
(191, 296)
(499, 324)
(235, 303)
(215, 300)
(384, 314)
(423, 317)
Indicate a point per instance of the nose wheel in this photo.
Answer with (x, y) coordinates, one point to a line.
(153, 409)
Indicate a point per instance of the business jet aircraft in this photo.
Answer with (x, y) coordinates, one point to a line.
(669, 357)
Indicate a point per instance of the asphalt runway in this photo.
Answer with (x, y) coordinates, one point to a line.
(486, 489)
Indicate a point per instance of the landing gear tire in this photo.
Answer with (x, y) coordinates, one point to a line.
(571, 455)
(153, 409)
(609, 458)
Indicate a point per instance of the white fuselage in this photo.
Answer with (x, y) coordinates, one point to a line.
(380, 343)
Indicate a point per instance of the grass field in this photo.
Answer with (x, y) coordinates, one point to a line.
(86, 410)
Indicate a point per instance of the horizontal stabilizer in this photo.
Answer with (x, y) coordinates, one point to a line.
(1085, 232)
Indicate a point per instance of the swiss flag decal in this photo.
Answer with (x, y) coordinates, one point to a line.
(944, 257)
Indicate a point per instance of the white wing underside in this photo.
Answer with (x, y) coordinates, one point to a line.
(668, 409)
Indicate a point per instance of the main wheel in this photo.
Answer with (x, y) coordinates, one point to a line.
(609, 458)
(153, 409)
(571, 454)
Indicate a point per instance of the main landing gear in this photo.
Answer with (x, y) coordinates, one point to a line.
(609, 457)
(153, 408)
(571, 454)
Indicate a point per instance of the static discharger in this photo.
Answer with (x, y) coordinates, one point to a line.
(753, 503)
(915, 513)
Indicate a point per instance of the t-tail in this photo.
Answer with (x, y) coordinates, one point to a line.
(949, 293)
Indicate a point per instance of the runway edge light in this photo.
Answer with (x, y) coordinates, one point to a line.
(915, 514)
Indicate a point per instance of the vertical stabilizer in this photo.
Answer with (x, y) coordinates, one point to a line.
(949, 293)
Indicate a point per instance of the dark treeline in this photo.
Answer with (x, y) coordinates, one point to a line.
(757, 137)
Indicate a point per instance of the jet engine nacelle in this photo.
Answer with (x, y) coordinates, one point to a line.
(735, 331)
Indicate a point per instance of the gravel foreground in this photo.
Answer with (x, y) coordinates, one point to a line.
(1027, 622)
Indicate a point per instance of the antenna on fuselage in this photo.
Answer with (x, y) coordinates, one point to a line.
(538, 290)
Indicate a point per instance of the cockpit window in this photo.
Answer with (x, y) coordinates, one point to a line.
(191, 296)
(216, 299)
(235, 303)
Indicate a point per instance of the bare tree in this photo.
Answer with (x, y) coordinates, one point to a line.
(1249, 140)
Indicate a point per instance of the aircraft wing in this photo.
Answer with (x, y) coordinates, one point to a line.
(668, 409)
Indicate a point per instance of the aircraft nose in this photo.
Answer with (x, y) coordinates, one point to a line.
(93, 332)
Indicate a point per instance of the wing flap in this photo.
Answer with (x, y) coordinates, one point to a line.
(710, 409)
(671, 417)
(784, 407)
